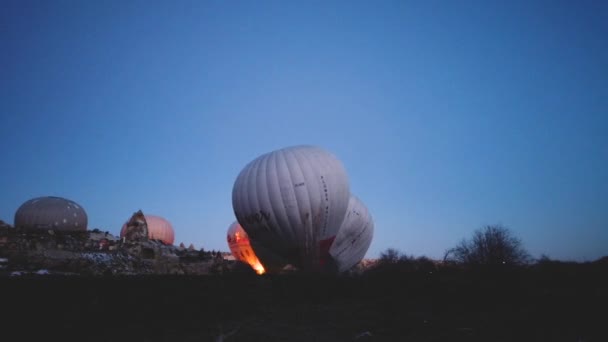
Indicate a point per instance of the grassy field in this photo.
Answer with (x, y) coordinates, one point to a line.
(561, 303)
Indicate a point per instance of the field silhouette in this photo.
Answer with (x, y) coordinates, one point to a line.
(547, 301)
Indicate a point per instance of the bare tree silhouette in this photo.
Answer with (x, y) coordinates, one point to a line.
(491, 246)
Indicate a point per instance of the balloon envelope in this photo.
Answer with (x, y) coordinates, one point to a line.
(292, 202)
(53, 213)
(355, 236)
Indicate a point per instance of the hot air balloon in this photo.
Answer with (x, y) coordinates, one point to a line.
(291, 202)
(54, 213)
(239, 245)
(354, 237)
(158, 229)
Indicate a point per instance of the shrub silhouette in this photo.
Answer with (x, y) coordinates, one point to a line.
(390, 256)
(392, 260)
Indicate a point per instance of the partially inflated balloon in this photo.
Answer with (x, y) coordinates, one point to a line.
(354, 237)
(292, 202)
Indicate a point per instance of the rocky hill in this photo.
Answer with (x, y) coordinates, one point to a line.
(99, 253)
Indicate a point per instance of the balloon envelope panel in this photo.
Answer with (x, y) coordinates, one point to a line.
(292, 202)
(54, 213)
(355, 236)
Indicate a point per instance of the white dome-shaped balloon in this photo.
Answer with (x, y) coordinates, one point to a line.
(292, 202)
(355, 236)
(51, 213)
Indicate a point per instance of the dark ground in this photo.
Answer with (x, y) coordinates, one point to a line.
(561, 303)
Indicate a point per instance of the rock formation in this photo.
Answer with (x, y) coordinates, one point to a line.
(137, 228)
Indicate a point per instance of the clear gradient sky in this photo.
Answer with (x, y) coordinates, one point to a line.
(448, 115)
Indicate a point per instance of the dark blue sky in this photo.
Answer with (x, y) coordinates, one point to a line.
(448, 115)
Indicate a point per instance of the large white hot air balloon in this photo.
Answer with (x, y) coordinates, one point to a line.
(292, 202)
(355, 236)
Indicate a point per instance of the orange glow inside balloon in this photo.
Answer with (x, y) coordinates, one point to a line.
(240, 247)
